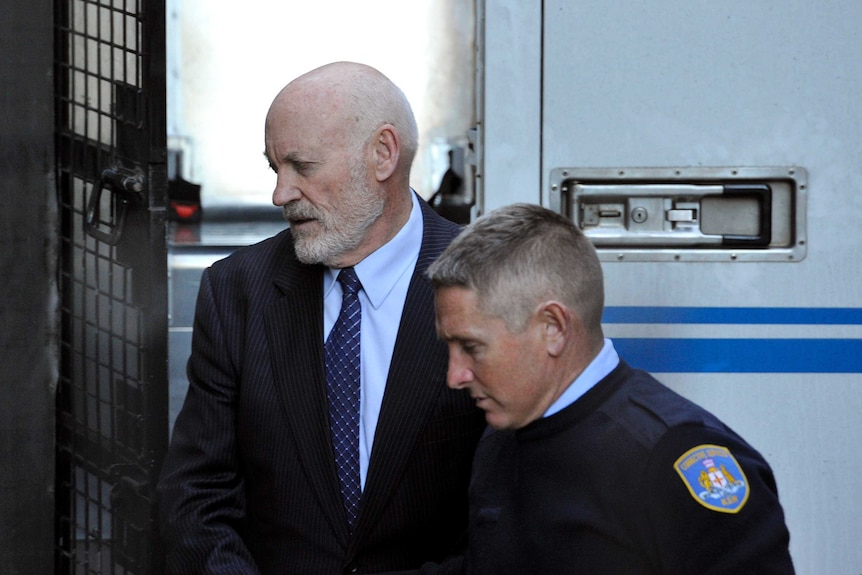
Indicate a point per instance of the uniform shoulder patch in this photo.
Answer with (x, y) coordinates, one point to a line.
(714, 478)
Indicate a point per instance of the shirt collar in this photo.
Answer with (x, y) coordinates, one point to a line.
(380, 270)
(604, 363)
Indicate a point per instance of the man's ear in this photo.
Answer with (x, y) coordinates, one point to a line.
(387, 150)
(556, 320)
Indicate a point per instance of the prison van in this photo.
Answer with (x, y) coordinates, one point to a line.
(713, 153)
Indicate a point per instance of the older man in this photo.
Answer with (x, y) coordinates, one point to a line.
(590, 466)
(317, 435)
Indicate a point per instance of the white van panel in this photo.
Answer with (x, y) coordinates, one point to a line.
(774, 348)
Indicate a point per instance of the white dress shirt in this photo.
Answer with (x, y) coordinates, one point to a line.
(385, 276)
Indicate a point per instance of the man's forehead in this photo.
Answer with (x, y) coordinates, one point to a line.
(288, 132)
(454, 304)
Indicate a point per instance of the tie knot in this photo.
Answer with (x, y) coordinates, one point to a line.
(349, 281)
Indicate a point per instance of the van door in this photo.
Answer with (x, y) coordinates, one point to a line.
(712, 151)
(112, 387)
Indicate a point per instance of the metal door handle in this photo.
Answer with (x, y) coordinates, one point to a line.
(127, 188)
(763, 194)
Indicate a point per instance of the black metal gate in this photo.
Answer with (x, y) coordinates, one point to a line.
(112, 396)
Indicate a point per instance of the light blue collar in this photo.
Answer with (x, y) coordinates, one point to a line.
(380, 270)
(604, 363)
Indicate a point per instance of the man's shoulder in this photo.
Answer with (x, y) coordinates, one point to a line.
(660, 428)
(278, 247)
(437, 224)
(438, 233)
(271, 262)
(648, 409)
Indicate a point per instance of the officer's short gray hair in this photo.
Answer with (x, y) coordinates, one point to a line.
(519, 256)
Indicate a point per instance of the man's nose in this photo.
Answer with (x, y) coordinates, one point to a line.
(286, 190)
(459, 373)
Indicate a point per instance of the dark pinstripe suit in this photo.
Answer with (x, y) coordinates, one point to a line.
(249, 484)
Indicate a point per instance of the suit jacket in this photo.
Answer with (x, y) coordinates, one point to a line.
(249, 484)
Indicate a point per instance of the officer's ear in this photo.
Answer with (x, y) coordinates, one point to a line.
(556, 324)
(387, 150)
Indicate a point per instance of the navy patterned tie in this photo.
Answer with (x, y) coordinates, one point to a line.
(342, 380)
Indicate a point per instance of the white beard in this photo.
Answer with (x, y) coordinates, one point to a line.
(341, 229)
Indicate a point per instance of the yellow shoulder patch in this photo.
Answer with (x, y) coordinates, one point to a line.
(713, 478)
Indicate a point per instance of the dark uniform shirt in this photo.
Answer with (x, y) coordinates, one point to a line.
(630, 479)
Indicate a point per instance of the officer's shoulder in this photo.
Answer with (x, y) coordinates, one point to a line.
(649, 409)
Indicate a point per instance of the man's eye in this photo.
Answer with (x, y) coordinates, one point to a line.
(299, 166)
(468, 348)
(302, 168)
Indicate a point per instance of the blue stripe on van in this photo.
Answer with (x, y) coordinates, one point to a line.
(661, 355)
(731, 315)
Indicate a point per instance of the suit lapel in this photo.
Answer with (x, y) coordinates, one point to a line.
(294, 327)
(417, 368)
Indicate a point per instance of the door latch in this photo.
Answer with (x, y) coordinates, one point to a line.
(673, 215)
(686, 213)
(126, 189)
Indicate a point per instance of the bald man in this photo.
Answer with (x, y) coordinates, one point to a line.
(253, 482)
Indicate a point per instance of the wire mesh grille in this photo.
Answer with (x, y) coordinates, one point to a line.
(105, 414)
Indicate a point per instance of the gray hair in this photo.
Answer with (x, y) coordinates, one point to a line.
(518, 256)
